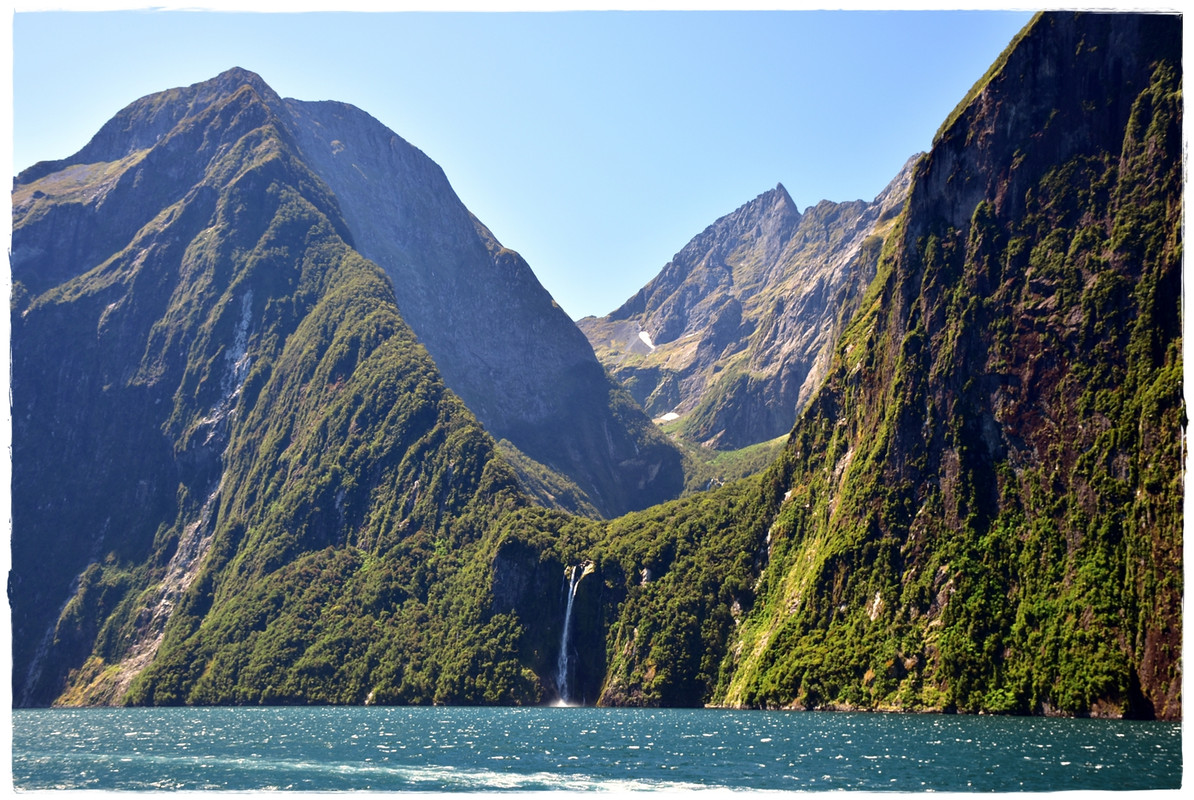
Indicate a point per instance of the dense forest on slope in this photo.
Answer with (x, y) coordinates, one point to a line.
(244, 480)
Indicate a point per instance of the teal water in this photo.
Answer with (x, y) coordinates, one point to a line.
(476, 749)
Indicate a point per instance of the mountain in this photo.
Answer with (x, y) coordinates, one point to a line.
(735, 333)
(500, 341)
(240, 477)
(980, 510)
(210, 380)
(210, 389)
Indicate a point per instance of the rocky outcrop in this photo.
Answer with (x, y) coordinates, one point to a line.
(735, 333)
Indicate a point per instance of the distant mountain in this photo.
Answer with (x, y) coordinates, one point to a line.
(735, 333)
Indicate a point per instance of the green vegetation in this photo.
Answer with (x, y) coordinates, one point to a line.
(689, 570)
(988, 540)
(980, 510)
(706, 468)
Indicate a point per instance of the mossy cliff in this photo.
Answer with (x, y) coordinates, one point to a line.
(981, 509)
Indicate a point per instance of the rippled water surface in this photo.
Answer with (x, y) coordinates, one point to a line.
(470, 749)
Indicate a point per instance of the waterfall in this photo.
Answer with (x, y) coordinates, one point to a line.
(562, 661)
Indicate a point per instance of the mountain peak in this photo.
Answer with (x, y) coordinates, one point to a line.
(224, 85)
(760, 293)
(237, 75)
(229, 82)
(779, 199)
(142, 124)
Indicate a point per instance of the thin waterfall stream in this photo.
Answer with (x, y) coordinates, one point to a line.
(563, 661)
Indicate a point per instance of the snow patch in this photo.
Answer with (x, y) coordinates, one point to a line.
(646, 339)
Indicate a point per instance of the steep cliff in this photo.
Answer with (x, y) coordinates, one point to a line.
(734, 334)
(981, 509)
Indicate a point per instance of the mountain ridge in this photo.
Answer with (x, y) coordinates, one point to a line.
(733, 335)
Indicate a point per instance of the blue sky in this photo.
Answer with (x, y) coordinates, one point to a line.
(594, 143)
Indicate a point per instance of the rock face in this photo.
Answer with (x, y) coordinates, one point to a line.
(735, 333)
(980, 510)
(502, 343)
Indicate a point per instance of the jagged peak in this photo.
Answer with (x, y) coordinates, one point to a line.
(773, 209)
(772, 201)
(777, 197)
(224, 85)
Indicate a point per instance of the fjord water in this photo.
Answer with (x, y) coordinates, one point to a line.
(472, 749)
